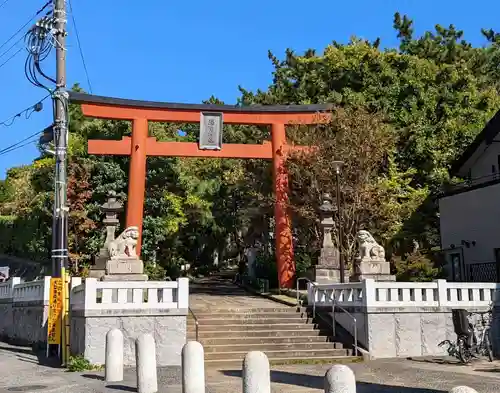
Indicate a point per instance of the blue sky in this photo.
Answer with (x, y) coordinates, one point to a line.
(186, 51)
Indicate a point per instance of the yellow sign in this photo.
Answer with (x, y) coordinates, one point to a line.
(55, 310)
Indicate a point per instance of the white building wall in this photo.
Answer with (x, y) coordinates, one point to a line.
(483, 166)
(472, 216)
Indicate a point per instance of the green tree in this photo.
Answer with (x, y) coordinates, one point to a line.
(436, 91)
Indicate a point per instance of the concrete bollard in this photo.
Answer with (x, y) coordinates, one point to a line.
(340, 379)
(145, 358)
(114, 356)
(256, 373)
(462, 389)
(193, 368)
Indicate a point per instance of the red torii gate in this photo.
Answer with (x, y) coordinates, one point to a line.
(141, 145)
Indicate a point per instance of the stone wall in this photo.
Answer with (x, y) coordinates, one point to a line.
(30, 322)
(24, 311)
(6, 321)
(404, 333)
(88, 334)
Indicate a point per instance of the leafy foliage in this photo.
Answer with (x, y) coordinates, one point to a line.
(402, 115)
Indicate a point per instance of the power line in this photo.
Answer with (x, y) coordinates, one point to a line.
(10, 47)
(3, 3)
(2, 153)
(27, 23)
(37, 107)
(11, 57)
(20, 143)
(80, 45)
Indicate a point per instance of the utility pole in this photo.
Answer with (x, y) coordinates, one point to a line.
(60, 131)
(60, 97)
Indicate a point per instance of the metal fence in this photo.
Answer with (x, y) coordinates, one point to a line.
(470, 183)
(483, 272)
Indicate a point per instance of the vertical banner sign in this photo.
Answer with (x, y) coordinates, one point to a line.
(211, 131)
(65, 314)
(55, 311)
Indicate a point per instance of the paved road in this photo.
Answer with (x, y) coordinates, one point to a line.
(20, 372)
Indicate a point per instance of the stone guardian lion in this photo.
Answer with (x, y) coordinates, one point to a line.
(368, 248)
(124, 246)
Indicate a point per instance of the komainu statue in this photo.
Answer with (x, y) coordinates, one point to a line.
(124, 246)
(369, 249)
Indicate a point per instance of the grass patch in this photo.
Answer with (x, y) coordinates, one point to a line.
(80, 364)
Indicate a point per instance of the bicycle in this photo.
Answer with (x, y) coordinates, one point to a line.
(467, 344)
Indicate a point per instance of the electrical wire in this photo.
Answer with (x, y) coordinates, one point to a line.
(27, 23)
(11, 57)
(39, 43)
(23, 142)
(11, 47)
(80, 46)
(2, 153)
(3, 3)
(27, 112)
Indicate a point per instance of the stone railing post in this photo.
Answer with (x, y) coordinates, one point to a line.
(90, 292)
(369, 292)
(75, 281)
(13, 282)
(442, 291)
(46, 289)
(256, 373)
(183, 293)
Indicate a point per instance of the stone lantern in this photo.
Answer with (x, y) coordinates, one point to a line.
(327, 210)
(328, 268)
(110, 208)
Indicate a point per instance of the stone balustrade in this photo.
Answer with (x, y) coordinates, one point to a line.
(7, 289)
(137, 307)
(33, 291)
(158, 308)
(130, 295)
(371, 293)
(400, 319)
(24, 310)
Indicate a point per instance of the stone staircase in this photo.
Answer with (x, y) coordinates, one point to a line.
(237, 322)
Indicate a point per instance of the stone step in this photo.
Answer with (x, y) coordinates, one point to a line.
(232, 364)
(244, 316)
(214, 334)
(261, 340)
(245, 327)
(234, 310)
(290, 353)
(294, 346)
(250, 321)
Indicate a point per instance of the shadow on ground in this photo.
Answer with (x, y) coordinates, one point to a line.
(93, 376)
(438, 360)
(16, 349)
(317, 382)
(123, 388)
(480, 365)
(114, 386)
(30, 355)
